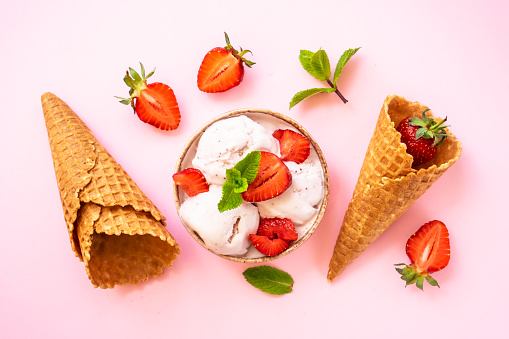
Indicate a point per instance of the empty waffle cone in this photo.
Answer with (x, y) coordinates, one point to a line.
(113, 227)
(387, 185)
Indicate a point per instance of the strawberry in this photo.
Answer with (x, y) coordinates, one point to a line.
(154, 103)
(222, 68)
(272, 179)
(294, 146)
(268, 246)
(422, 136)
(429, 251)
(192, 181)
(277, 228)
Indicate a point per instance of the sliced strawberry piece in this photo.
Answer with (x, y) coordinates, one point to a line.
(222, 68)
(294, 146)
(158, 107)
(192, 181)
(219, 71)
(273, 179)
(429, 251)
(429, 248)
(277, 228)
(154, 103)
(268, 246)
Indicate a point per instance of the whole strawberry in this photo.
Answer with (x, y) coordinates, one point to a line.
(222, 68)
(421, 137)
(429, 251)
(155, 103)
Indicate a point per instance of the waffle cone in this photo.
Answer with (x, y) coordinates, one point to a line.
(387, 185)
(113, 227)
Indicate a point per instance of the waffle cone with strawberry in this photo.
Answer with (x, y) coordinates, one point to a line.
(389, 182)
(113, 227)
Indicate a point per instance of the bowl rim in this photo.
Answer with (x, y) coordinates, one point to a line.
(301, 129)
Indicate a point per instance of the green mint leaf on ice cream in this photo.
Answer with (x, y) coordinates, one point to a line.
(237, 180)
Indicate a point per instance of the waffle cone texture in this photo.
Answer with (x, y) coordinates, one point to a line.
(117, 232)
(387, 185)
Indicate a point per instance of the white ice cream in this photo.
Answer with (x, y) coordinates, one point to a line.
(300, 202)
(225, 233)
(228, 141)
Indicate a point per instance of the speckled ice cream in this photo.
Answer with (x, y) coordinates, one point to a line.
(301, 201)
(220, 147)
(228, 141)
(225, 233)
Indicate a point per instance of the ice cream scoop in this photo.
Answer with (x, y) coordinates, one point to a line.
(224, 233)
(226, 142)
(301, 200)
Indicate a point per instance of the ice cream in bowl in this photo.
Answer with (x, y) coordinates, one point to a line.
(251, 185)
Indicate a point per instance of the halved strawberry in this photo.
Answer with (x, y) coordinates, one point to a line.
(273, 179)
(277, 228)
(222, 68)
(268, 246)
(192, 181)
(294, 146)
(154, 103)
(429, 251)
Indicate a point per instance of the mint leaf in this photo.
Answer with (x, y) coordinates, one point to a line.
(241, 185)
(269, 279)
(305, 60)
(320, 65)
(230, 199)
(307, 93)
(237, 181)
(248, 167)
(347, 55)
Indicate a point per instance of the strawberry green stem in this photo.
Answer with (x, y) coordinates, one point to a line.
(337, 91)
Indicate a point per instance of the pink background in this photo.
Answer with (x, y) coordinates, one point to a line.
(451, 56)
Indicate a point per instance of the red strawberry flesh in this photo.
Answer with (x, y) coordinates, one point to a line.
(277, 228)
(268, 246)
(157, 106)
(294, 146)
(273, 179)
(192, 181)
(220, 71)
(429, 247)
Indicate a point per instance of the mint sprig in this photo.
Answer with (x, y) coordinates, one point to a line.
(317, 64)
(238, 179)
(269, 279)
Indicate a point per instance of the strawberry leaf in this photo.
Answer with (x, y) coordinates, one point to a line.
(347, 55)
(307, 93)
(269, 279)
(431, 281)
(135, 75)
(420, 282)
(320, 65)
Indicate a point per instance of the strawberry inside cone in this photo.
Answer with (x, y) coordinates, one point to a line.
(421, 137)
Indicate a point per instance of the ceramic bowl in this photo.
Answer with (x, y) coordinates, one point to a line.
(272, 121)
